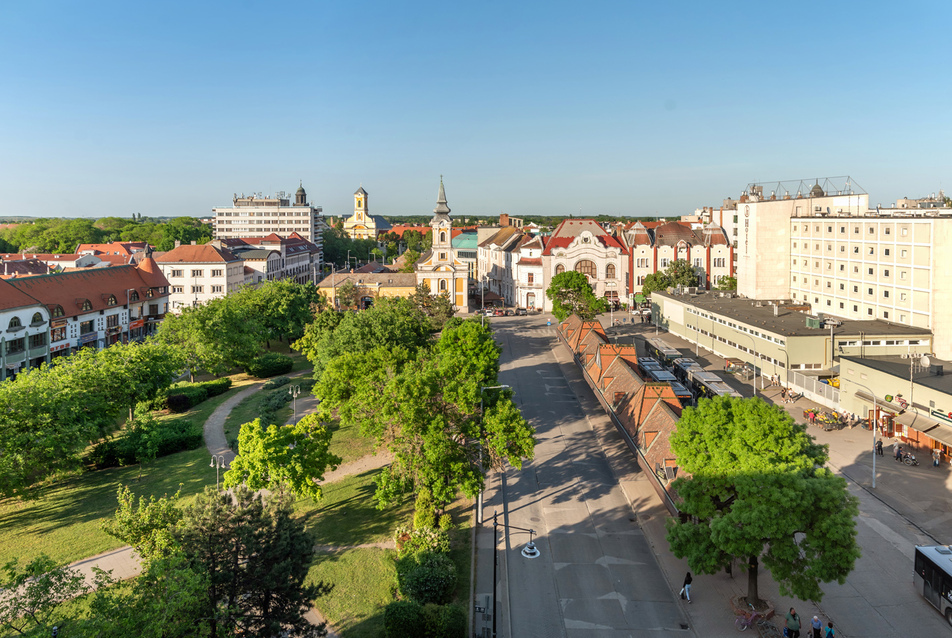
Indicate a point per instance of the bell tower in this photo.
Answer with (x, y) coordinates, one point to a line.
(360, 205)
(300, 197)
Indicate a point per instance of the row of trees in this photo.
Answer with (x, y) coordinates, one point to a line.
(57, 235)
(230, 564)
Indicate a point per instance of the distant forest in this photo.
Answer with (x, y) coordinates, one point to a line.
(550, 221)
(62, 236)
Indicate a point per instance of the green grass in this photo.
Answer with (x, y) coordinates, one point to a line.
(363, 582)
(63, 520)
(349, 445)
(348, 514)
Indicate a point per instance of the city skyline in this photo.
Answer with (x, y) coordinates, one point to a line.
(535, 109)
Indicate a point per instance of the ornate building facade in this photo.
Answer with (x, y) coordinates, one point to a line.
(439, 267)
(363, 225)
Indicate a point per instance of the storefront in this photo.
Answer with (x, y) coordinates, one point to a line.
(135, 330)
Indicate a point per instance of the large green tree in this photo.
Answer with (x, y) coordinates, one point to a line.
(571, 293)
(439, 308)
(296, 456)
(284, 308)
(679, 272)
(726, 283)
(759, 491)
(33, 592)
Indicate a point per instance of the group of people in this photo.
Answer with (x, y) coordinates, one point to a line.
(793, 626)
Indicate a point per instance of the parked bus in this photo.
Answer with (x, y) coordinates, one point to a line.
(662, 376)
(661, 351)
(933, 577)
(684, 395)
(647, 364)
(681, 366)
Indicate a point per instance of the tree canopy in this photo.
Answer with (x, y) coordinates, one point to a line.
(571, 293)
(726, 283)
(63, 235)
(679, 272)
(758, 490)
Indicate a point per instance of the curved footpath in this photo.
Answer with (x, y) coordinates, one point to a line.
(123, 563)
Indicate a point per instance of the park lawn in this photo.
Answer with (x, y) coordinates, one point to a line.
(363, 582)
(461, 547)
(250, 408)
(349, 444)
(348, 513)
(63, 521)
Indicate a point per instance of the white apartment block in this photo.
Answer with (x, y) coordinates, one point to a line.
(257, 216)
(527, 273)
(495, 256)
(199, 273)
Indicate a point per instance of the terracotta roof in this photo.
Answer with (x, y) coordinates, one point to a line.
(671, 233)
(197, 254)
(502, 238)
(114, 248)
(12, 297)
(151, 273)
(529, 261)
(40, 256)
(70, 289)
(566, 232)
(23, 268)
(402, 228)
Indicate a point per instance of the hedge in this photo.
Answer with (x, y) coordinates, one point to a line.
(427, 577)
(270, 364)
(173, 435)
(185, 396)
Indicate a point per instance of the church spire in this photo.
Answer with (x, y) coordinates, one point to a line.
(441, 208)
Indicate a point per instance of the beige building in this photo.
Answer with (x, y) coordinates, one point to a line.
(779, 337)
(652, 246)
(584, 246)
(257, 216)
(363, 225)
(198, 273)
(370, 286)
(439, 268)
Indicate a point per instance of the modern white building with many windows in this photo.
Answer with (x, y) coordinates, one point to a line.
(257, 216)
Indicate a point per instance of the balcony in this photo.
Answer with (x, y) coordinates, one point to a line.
(39, 351)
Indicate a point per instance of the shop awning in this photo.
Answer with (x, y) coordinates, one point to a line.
(928, 426)
(611, 294)
(882, 403)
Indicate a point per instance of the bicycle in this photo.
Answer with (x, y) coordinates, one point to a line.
(747, 620)
(767, 629)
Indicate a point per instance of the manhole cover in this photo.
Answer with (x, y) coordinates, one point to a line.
(535, 519)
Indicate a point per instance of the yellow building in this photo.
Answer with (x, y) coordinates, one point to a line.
(370, 286)
(363, 225)
(440, 268)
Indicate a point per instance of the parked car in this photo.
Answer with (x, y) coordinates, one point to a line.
(510, 312)
(521, 312)
(499, 312)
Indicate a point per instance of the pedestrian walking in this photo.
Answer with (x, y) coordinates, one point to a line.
(829, 630)
(817, 627)
(686, 587)
(896, 449)
(783, 394)
(879, 447)
(935, 457)
(793, 623)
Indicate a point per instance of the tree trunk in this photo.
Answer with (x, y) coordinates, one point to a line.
(753, 596)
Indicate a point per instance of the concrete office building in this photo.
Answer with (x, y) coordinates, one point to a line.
(256, 216)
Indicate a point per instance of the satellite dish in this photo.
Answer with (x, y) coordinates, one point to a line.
(925, 361)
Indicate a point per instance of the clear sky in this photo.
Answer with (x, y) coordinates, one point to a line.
(633, 108)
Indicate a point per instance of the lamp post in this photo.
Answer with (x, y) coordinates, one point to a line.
(872, 426)
(529, 551)
(218, 462)
(294, 391)
(479, 498)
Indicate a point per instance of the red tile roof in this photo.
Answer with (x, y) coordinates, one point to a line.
(114, 248)
(12, 297)
(570, 229)
(197, 254)
(71, 289)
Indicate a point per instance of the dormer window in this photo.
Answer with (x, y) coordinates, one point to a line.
(58, 311)
(111, 301)
(133, 296)
(37, 319)
(14, 324)
(86, 305)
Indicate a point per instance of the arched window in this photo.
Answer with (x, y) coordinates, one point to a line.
(559, 269)
(58, 311)
(87, 305)
(442, 285)
(111, 301)
(14, 324)
(133, 296)
(610, 271)
(587, 267)
(37, 319)
(442, 236)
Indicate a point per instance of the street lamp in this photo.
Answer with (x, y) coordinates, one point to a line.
(479, 498)
(218, 462)
(872, 425)
(294, 391)
(753, 353)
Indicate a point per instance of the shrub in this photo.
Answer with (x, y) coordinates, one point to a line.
(444, 621)
(276, 382)
(170, 436)
(184, 398)
(270, 364)
(424, 515)
(403, 619)
(216, 386)
(446, 522)
(427, 577)
(411, 541)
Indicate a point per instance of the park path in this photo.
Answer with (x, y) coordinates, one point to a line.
(124, 564)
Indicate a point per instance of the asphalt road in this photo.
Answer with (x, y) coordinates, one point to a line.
(596, 575)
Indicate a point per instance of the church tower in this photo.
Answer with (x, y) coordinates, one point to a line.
(300, 197)
(360, 206)
(439, 268)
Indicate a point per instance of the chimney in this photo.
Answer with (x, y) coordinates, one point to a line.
(503, 219)
(177, 243)
(193, 242)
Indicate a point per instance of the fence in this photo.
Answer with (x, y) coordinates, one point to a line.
(814, 390)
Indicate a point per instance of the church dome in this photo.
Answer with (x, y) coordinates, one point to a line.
(816, 191)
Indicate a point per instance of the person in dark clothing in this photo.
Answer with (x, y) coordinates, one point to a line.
(879, 447)
(686, 588)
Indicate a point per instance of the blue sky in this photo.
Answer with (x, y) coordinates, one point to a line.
(631, 108)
